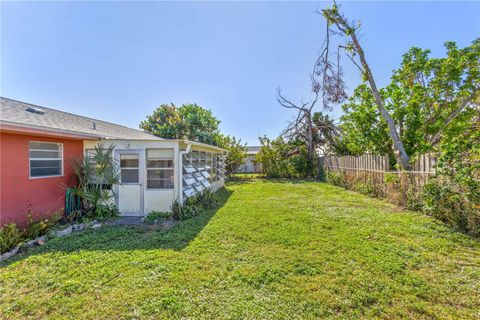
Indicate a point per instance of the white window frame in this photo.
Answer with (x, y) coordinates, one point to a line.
(161, 168)
(130, 168)
(30, 160)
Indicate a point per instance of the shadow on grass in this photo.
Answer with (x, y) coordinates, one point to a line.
(115, 238)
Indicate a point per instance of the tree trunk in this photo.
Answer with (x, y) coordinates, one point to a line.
(436, 138)
(310, 143)
(402, 157)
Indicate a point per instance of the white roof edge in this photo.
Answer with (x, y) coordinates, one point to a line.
(194, 143)
(201, 144)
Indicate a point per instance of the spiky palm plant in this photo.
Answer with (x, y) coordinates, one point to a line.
(96, 174)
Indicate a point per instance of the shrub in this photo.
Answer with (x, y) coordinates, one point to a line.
(453, 195)
(194, 205)
(391, 178)
(285, 159)
(96, 174)
(37, 228)
(335, 178)
(413, 199)
(321, 174)
(445, 200)
(10, 236)
(104, 212)
(154, 216)
(185, 211)
(207, 199)
(367, 189)
(236, 152)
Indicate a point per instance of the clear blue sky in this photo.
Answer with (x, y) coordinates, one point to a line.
(117, 61)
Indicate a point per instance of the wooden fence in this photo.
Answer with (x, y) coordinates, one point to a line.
(366, 162)
(424, 164)
(372, 174)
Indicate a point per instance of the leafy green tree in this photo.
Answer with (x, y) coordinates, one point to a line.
(453, 195)
(189, 121)
(284, 159)
(326, 135)
(363, 129)
(236, 152)
(427, 98)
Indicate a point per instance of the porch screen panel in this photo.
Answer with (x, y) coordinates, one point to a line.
(160, 169)
(208, 165)
(214, 167)
(220, 166)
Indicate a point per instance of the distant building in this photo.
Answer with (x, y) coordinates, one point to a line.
(250, 166)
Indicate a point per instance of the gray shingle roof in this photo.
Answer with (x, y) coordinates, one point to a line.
(13, 111)
(253, 149)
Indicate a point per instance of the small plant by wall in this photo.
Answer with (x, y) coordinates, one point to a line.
(156, 216)
(194, 205)
(11, 235)
(97, 172)
(37, 228)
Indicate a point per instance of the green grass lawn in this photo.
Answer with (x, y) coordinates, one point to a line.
(273, 250)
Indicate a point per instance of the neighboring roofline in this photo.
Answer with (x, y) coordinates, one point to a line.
(15, 127)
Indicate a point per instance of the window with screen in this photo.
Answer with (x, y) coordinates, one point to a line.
(46, 159)
(129, 168)
(214, 167)
(208, 165)
(195, 159)
(160, 169)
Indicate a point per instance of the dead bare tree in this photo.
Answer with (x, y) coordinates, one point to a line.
(313, 128)
(302, 126)
(327, 135)
(331, 78)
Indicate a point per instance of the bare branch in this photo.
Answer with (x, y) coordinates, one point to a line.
(284, 102)
(436, 138)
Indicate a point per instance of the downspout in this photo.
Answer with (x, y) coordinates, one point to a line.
(180, 193)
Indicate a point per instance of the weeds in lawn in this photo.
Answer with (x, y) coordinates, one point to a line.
(155, 216)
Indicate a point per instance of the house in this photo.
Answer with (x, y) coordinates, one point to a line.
(250, 166)
(37, 145)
